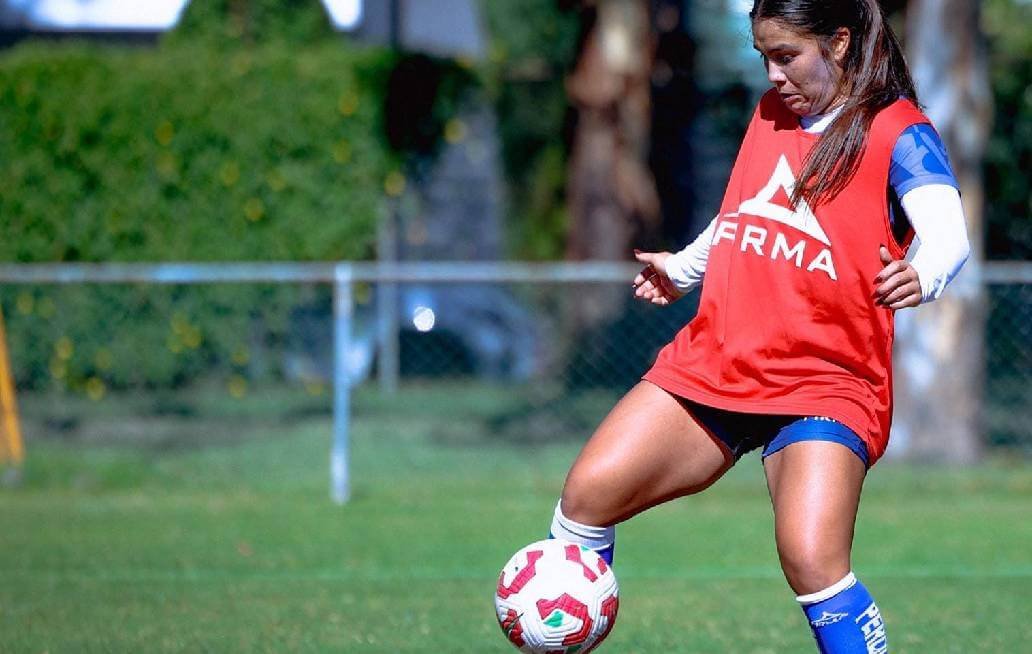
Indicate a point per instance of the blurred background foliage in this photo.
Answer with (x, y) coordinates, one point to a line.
(533, 45)
(228, 23)
(1009, 157)
(186, 152)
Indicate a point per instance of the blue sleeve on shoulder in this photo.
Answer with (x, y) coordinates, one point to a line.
(919, 159)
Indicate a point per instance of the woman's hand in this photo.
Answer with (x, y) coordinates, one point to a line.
(897, 285)
(652, 283)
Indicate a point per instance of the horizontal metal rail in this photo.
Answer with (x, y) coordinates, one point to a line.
(993, 272)
(1007, 272)
(204, 273)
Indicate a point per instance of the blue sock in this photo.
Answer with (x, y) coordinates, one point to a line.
(845, 619)
(600, 539)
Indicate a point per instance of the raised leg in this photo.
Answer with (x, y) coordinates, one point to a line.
(648, 450)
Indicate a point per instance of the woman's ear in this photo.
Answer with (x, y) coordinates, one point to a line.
(840, 44)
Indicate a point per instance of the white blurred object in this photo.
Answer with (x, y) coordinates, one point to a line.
(345, 14)
(152, 15)
(621, 25)
(100, 14)
(423, 319)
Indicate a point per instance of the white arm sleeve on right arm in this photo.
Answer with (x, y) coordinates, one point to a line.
(940, 245)
(687, 267)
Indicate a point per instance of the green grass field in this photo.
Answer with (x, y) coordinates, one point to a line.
(235, 547)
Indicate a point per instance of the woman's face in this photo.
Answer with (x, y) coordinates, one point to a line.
(809, 83)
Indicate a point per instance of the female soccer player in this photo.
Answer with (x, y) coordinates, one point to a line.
(790, 351)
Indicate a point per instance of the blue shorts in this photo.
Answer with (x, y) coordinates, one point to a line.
(744, 432)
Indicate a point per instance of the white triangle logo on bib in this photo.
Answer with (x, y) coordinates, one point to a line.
(802, 218)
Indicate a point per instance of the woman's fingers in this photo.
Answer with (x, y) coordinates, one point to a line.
(652, 283)
(910, 300)
(900, 290)
(890, 271)
(899, 294)
(648, 285)
(647, 273)
(648, 278)
(897, 285)
(889, 285)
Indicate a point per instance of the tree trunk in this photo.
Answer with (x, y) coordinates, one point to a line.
(941, 359)
(611, 193)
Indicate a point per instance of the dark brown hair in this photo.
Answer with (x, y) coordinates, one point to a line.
(874, 76)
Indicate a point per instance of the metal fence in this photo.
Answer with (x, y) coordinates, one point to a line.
(172, 356)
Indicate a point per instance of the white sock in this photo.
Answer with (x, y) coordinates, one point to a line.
(831, 591)
(596, 538)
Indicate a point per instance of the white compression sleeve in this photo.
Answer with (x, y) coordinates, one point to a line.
(940, 246)
(687, 267)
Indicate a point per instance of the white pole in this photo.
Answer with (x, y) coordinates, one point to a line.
(343, 307)
(387, 303)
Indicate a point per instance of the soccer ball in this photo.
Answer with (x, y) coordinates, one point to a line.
(555, 597)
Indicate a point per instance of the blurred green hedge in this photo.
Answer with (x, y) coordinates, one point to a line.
(187, 151)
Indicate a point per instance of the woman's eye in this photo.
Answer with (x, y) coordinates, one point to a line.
(781, 60)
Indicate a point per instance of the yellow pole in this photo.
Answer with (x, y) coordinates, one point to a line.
(12, 451)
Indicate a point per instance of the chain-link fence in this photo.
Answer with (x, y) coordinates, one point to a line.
(516, 354)
(1008, 389)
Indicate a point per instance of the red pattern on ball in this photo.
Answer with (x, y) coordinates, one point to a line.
(573, 554)
(513, 628)
(571, 606)
(610, 606)
(522, 578)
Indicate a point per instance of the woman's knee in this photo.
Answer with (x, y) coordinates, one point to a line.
(810, 565)
(588, 496)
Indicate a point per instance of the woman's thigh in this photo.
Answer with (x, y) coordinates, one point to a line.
(815, 490)
(648, 450)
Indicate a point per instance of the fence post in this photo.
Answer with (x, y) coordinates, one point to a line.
(343, 309)
(387, 355)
